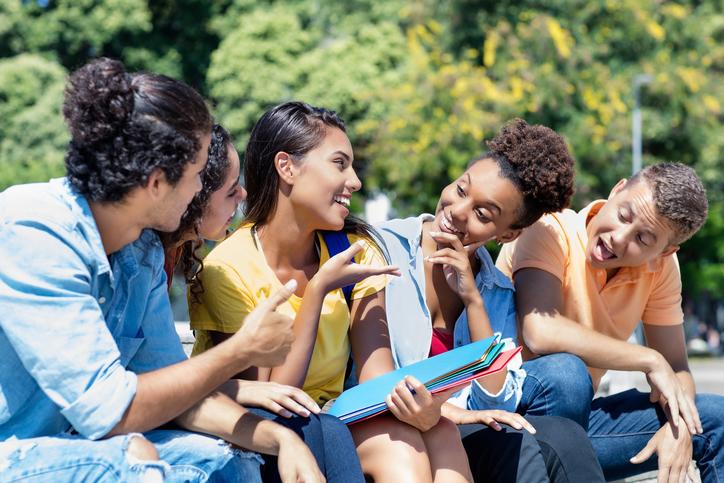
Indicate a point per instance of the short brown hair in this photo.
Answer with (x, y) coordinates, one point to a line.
(537, 161)
(679, 196)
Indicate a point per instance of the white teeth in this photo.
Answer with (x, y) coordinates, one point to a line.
(342, 200)
(448, 225)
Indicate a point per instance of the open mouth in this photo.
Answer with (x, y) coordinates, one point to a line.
(602, 252)
(447, 225)
(342, 200)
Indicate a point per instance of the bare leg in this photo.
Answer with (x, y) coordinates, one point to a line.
(448, 460)
(391, 451)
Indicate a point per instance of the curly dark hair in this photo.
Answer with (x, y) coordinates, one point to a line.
(212, 179)
(537, 161)
(123, 127)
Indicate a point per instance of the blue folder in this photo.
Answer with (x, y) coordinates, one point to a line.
(444, 371)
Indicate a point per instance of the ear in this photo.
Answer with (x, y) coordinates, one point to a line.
(156, 184)
(284, 165)
(618, 187)
(510, 235)
(669, 250)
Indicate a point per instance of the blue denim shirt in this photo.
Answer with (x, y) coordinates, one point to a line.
(76, 326)
(408, 317)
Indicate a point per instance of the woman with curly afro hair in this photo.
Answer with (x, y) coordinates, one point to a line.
(451, 294)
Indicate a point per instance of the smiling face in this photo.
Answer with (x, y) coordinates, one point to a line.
(223, 203)
(479, 206)
(323, 182)
(627, 231)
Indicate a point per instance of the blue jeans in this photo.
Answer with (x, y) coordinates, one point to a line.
(184, 457)
(330, 442)
(619, 425)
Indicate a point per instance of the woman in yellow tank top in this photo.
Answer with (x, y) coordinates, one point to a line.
(300, 179)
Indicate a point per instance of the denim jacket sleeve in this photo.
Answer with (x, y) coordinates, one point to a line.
(54, 325)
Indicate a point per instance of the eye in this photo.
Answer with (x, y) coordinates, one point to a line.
(340, 162)
(482, 216)
(642, 240)
(623, 216)
(460, 191)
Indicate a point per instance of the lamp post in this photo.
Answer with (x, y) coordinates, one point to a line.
(638, 81)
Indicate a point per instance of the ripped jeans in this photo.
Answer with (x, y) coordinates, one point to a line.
(184, 456)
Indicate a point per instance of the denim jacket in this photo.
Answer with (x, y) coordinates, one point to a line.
(408, 317)
(76, 326)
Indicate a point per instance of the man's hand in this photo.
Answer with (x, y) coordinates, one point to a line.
(668, 391)
(296, 463)
(412, 403)
(674, 449)
(267, 336)
(277, 398)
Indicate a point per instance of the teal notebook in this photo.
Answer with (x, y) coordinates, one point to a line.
(439, 373)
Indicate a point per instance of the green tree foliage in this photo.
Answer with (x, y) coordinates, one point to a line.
(421, 84)
(32, 134)
(272, 54)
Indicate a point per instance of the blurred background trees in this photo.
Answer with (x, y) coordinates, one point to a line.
(421, 84)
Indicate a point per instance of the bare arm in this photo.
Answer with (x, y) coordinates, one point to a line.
(370, 338)
(539, 300)
(294, 370)
(336, 272)
(545, 331)
(454, 261)
(163, 394)
(219, 416)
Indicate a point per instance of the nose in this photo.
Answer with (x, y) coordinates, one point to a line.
(353, 182)
(458, 210)
(621, 237)
(241, 195)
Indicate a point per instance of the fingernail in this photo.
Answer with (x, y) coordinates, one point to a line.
(291, 285)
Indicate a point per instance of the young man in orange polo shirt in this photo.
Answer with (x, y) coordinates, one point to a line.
(584, 281)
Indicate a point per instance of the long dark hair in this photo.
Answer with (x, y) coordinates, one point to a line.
(212, 179)
(123, 127)
(295, 128)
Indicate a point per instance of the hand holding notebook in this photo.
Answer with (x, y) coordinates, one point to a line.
(440, 373)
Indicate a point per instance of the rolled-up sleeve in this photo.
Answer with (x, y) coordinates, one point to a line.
(56, 327)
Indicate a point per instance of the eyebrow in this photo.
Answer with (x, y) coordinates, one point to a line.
(343, 154)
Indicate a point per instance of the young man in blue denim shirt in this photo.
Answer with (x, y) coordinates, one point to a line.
(88, 352)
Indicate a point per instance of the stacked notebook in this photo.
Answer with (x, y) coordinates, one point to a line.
(445, 371)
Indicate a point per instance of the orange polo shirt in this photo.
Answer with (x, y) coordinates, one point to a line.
(557, 244)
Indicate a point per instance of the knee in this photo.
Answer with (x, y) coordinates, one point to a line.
(142, 449)
(711, 412)
(565, 375)
(443, 438)
(390, 450)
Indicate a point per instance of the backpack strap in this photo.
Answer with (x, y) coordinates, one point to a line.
(337, 242)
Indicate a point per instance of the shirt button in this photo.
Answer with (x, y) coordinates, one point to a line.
(102, 300)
